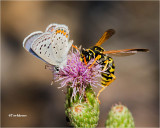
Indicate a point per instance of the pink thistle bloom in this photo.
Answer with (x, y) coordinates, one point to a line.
(77, 74)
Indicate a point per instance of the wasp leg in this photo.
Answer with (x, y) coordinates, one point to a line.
(98, 57)
(75, 47)
(85, 60)
(106, 63)
(105, 87)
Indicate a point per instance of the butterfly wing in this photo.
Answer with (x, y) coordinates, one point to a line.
(43, 48)
(124, 52)
(61, 43)
(51, 28)
(52, 46)
(29, 40)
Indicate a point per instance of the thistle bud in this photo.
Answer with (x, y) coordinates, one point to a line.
(119, 117)
(84, 111)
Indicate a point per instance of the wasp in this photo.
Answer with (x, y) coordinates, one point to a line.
(102, 57)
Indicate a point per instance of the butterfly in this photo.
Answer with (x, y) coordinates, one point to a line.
(52, 46)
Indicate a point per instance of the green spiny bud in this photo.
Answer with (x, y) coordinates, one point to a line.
(119, 117)
(82, 112)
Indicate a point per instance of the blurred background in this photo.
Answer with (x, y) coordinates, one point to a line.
(26, 88)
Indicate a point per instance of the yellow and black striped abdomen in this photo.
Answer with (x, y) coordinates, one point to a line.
(109, 68)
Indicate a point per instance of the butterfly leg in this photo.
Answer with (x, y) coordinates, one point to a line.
(97, 58)
(52, 82)
(113, 78)
(46, 66)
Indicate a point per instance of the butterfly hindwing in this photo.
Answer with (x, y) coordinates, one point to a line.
(43, 48)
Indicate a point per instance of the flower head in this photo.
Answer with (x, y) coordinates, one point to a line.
(77, 74)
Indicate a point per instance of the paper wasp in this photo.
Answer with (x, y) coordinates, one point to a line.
(102, 57)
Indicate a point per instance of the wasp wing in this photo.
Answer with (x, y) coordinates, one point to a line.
(125, 52)
(105, 37)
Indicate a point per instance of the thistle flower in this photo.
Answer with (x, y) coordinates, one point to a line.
(81, 106)
(77, 75)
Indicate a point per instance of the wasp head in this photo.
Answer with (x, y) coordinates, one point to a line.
(88, 54)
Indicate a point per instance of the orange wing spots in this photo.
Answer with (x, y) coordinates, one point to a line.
(66, 35)
(58, 31)
(52, 30)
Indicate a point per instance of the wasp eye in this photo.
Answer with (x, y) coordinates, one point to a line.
(87, 56)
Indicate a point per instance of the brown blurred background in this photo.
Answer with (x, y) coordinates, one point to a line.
(25, 82)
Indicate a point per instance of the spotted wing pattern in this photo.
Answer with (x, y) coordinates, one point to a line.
(51, 28)
(61, 43)
(29, 40)
(52, 46)
(43, 48)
